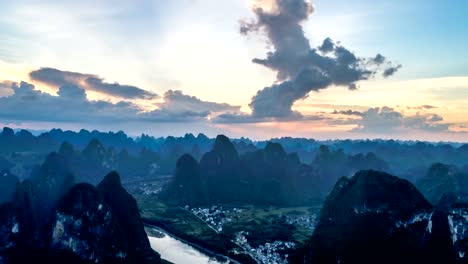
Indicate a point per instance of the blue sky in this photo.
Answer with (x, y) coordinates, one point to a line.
(195, 46)
(425, 36)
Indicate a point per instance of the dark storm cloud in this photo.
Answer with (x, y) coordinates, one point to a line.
(300, 68)
(91, 82)
(327, 46)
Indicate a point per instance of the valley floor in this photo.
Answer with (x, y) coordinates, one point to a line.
(245, 233)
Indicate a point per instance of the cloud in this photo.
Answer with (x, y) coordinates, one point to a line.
(428, 106)
(5, 88)
(387, 119)
(233, 118)
(300, 68)
(423, 107)
(391, 71)
(71, 105)
(327, 46)
(347, 112)
(176, 102)
(91, 82)
(379, 59)
(178, 107)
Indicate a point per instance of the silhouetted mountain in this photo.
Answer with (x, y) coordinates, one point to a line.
(219, 168)
(95, 151)
(67, 150)
(51, 181)
(378, 218)
(358, 222)
(275, 177)
(454, 208)
(268, 176)
(371, 217)
(405, 158)
(330, 165)
(88, 225)
(19, 231)
(440, 179)
(187, 186)
(95, 160)
(24, 141)
(8, 183)
(125, 208)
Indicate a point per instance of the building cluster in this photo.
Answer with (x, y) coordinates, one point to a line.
(149, 189)
(268, 253)
(214, 216)
(307, 221)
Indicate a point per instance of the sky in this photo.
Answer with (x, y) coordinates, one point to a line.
(324, 69)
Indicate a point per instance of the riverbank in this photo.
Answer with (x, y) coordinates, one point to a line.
(209, 243)
(208, 253)
(241, 233)
(244, 234)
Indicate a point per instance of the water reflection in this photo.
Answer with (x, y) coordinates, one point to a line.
(178, 252)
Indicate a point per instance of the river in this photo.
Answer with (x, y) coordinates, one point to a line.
(177, 251)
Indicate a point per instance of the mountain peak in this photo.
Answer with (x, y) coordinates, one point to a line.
(125, 209)
(66, 149)
(373, 217)
(82, 216)
(111, 179)
(8, 132)
(275, 148)
(223, 145)
(371, 190)
(94, 146)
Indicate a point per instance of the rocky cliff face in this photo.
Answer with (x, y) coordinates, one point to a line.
(453, 211)
(125, 210)
(86, 225)
(19, 231)
(378, 218)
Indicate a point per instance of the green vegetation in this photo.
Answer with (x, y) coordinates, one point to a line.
(184, 225)
(267, 224)
(261, 224)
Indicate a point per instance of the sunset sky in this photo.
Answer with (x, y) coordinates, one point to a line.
(256, 68)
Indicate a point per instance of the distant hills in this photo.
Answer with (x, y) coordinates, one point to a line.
(56, 206)
(21, 150)
(268, 176)
(251, 168)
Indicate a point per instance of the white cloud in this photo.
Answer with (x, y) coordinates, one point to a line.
(386, 120)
